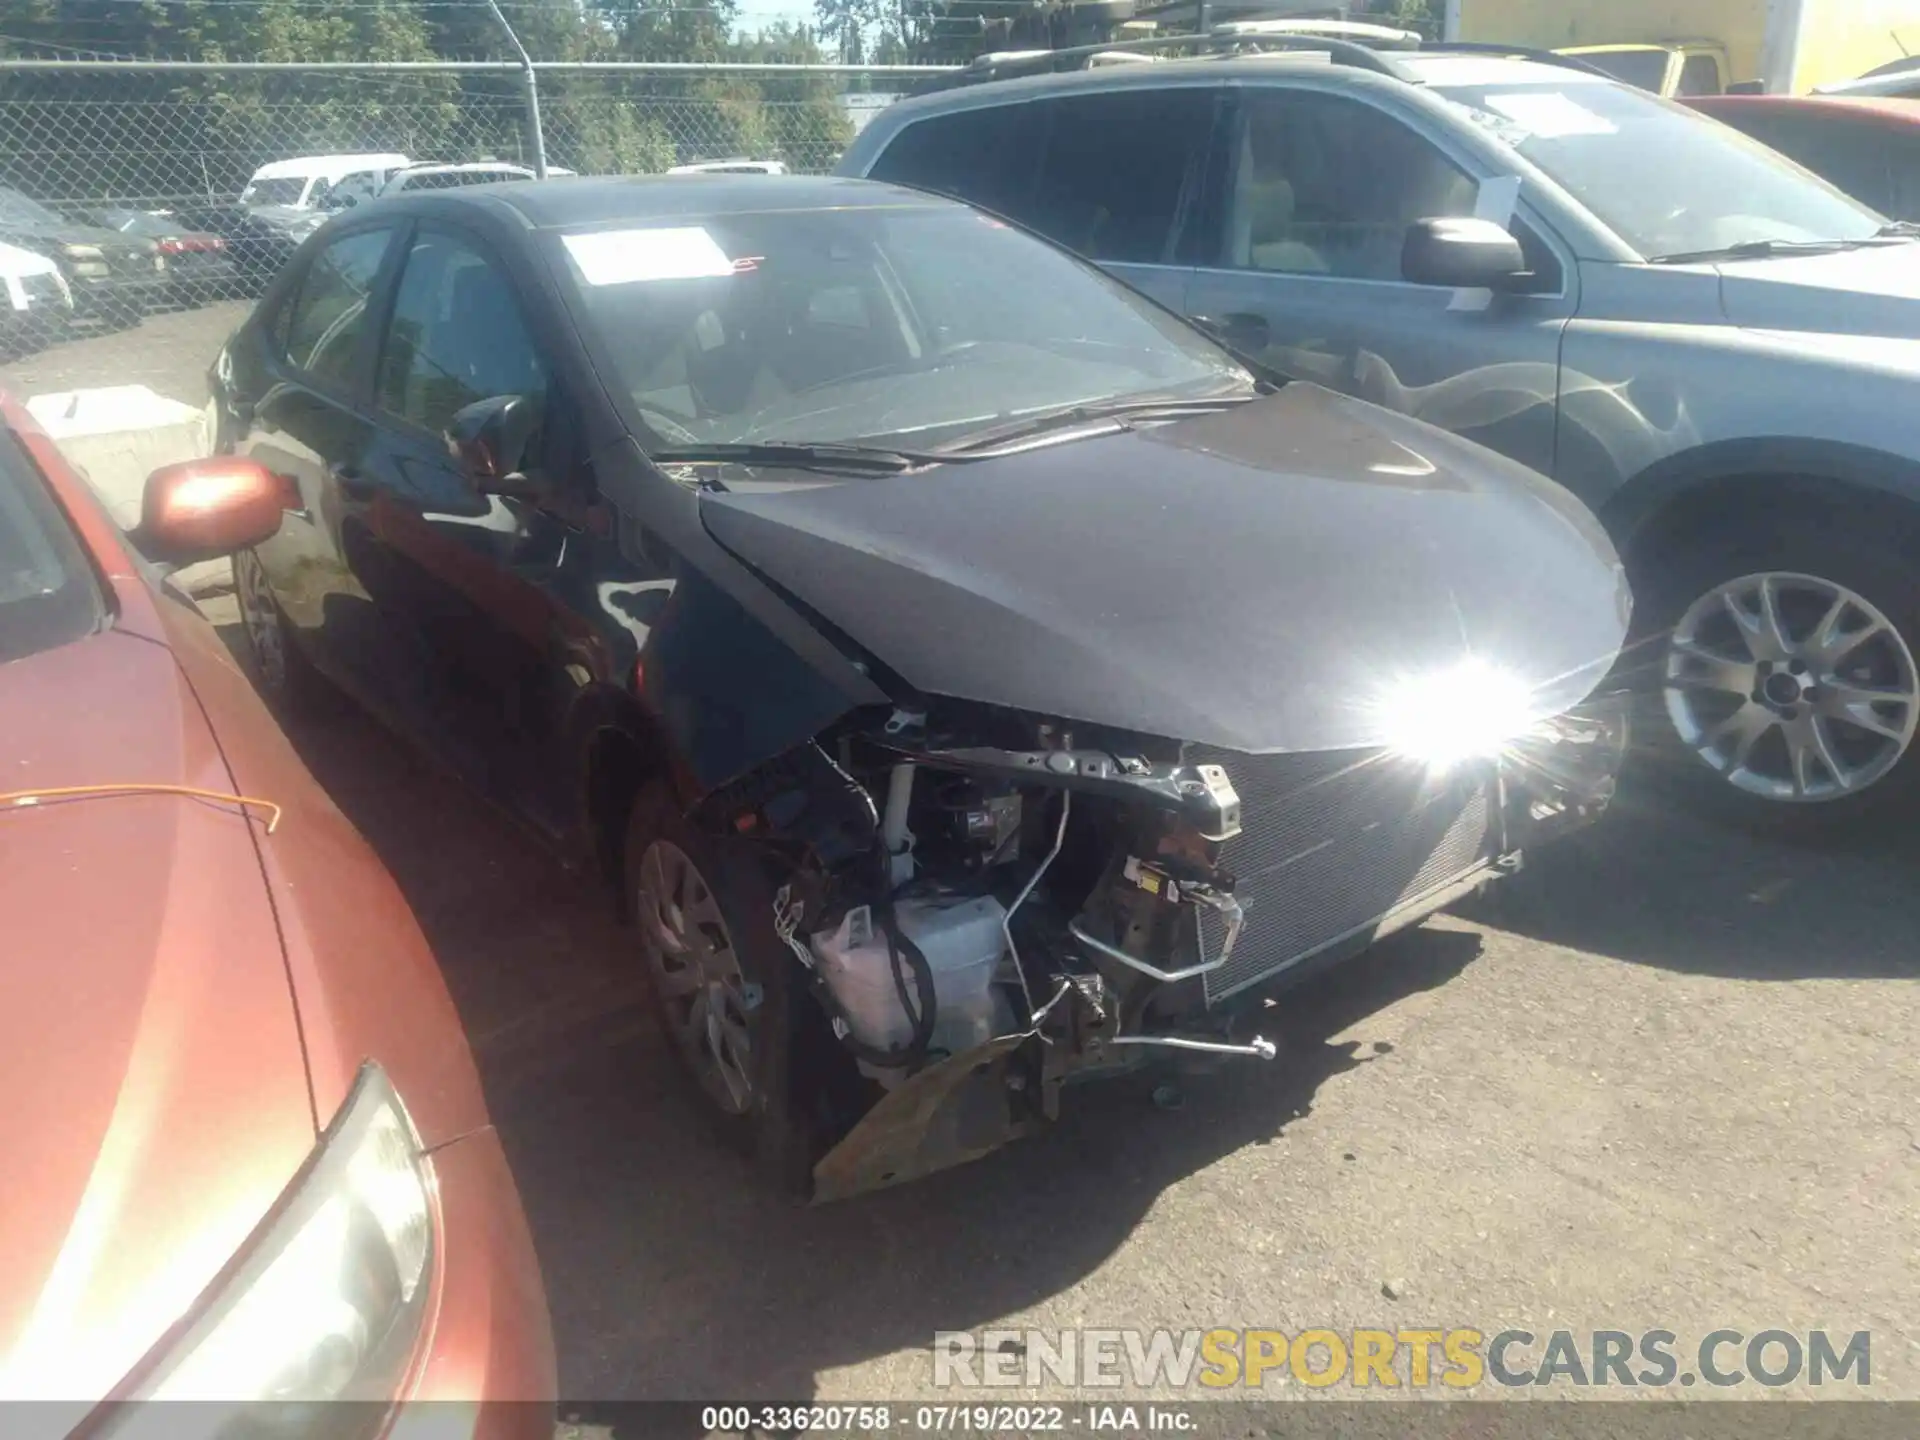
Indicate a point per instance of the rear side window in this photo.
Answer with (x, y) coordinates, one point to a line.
(986, 157)
(1119, 168)
(324, 324)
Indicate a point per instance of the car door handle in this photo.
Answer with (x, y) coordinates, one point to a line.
(1238, 330)
(352, 481)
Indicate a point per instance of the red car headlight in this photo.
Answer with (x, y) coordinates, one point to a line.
(327, 1299)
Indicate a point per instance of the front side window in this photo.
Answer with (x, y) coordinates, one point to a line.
(284, 190)
(1667, 180)
(1325, 185)
(904, 322)
(1116, 170)
(328, 315)
(457, 336)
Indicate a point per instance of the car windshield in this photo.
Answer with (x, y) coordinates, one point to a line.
(47, 592)
(915, 322)
(1711, 188)
(21, 211)
(1646, 69)
(285, 190)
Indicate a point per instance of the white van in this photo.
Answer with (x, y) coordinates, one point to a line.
(305, 182)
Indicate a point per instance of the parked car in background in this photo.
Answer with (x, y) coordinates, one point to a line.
(1715, 352)
(1893, 80)
(198, 268)
(1674, 68)
(39, 306)
(114, 278)
(262, 1170)
(304, 183)
(1866, 146)
(255, 246)
(438, 176)
(1784, 47)
(895, 605)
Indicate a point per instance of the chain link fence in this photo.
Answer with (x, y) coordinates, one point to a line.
(125, 196)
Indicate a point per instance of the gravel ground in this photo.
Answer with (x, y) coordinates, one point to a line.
(168, 352)
(1671, 1087)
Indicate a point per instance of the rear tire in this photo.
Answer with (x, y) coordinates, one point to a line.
(725, 989)
(1776, 670)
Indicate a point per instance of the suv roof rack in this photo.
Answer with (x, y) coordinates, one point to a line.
(1340, 52)
(1514, 52)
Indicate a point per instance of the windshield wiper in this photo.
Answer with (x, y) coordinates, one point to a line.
(1763, 249)
(801, 455)
(1899, 230)
(1114, 410)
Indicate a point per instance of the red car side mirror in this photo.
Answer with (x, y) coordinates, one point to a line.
(202, 509)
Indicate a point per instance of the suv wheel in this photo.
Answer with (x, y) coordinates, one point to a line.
(1788, 677)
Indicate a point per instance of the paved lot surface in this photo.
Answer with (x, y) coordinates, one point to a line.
(169, 353)
(1671, 1087)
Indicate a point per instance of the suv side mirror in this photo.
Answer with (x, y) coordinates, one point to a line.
(1463, 254)
(203, 509)
(490, 439)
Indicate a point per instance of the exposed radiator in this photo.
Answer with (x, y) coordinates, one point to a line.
(1332, 843)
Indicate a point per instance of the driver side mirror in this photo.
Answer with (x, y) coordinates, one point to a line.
(490, 437)
(1463, 254)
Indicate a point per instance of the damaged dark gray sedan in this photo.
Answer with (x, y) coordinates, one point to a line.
(974, 678)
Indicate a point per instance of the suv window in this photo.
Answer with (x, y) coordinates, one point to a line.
(1326, 185)
(457, 336)
(985, 157)
(328, 314)
(1116, 170)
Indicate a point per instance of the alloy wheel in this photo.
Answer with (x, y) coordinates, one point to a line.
(696, 971)
(261, 616)
(1792, 687)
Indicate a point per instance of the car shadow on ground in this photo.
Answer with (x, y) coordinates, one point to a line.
(671, 1274)
(1655, 884)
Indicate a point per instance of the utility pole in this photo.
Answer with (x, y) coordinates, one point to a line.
(532, 88)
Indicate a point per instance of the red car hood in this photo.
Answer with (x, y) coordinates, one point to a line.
(157, 1098)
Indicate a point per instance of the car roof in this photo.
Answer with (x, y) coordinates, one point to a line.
(1423, 67)
(596, 199)
(304, 165)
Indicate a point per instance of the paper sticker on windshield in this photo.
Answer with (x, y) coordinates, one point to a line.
(623, 257)
(1550, 115)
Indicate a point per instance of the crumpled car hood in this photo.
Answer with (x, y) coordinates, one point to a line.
(1254, 579)
(1875, 291)
(158, 1100)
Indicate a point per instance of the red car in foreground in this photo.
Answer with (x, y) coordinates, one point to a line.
(247, 1156)
(1867, 146)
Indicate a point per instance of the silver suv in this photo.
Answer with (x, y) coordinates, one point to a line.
(1713, 349)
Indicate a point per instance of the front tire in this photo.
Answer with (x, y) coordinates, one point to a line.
(281, 669)
(723, 983)
(1780, 666)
